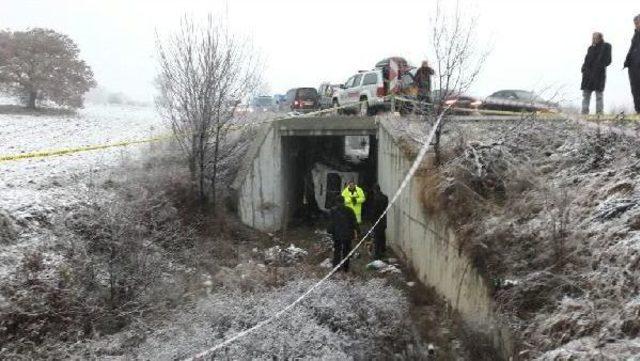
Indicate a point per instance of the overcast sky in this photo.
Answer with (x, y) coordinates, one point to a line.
(535, 43)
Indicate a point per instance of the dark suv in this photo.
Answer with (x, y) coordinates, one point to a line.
(301, 100)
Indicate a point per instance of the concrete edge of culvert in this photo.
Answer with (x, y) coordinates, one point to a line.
(429, 247)
(247, 160)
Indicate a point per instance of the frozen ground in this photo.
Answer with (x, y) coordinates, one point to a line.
(31, 190)
(550, 213)
(360, 317)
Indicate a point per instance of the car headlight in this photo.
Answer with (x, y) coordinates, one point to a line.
(476, 103)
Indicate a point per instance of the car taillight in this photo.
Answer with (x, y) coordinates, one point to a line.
(381, 92)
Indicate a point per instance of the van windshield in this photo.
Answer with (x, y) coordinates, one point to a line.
(307, 93)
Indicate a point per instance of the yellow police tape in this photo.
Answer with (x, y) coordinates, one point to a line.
(612, 117)
(65, 151)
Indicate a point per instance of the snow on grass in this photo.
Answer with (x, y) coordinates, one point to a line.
(96, 124)
(345, 320)
(33, 190)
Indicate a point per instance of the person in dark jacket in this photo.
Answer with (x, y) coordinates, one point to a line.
(632, 62)
(594, 73)
(343, 226)
(422, 80)
(380, 203)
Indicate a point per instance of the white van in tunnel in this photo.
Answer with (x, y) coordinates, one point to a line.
(328, 183)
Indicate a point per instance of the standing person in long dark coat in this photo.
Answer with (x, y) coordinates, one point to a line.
(380, 203)
(343, 226)
(594, 73)
(633, 63)
(422, 80)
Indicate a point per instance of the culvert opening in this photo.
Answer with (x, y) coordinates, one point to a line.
(317, 168)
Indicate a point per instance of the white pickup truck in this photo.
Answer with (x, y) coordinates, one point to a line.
(364, 92)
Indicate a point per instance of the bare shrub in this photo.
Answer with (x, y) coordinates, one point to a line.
(560, 208)
(365, 321)
(538, 292)
(8, 230)
(205, 72)
(458, 61)
(479, 345)
(40, 309)
(124, 258)
(472, 178)
(453, 38)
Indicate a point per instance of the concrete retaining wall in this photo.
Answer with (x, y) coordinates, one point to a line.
(430, 247)
(259, 183)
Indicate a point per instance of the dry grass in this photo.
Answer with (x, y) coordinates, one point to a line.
(545, 211)
(7, 229)
(138, 248)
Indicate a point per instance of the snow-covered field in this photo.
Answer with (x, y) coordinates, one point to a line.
(33, 189)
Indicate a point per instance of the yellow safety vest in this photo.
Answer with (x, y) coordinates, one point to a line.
(358, 194)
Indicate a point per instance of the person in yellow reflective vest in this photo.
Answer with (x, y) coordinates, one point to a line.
(353, 198)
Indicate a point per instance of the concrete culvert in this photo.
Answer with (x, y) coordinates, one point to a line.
(8, 231)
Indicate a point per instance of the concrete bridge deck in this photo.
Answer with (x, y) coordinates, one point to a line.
(327, 126)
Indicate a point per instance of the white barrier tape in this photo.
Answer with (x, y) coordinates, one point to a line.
(405, 182)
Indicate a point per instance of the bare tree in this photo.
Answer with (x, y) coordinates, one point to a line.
(458, 61)
(205, 72)
(458, 58)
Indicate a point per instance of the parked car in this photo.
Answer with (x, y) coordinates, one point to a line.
(364, 93)
(263, 103)
(325, 94)
(302, 100)
(517, 100)
(463, 104)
